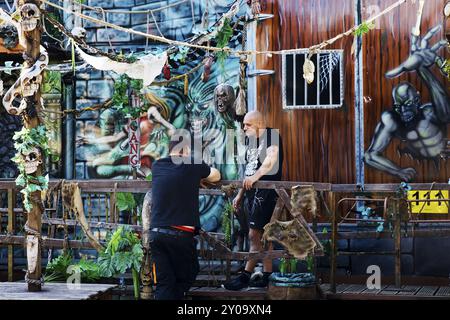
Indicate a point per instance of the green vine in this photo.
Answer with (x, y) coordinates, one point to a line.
(223, 38)
(120, 98)
(227, 215)
(25, 141)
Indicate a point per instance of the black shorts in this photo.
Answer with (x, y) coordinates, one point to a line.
(259, 205)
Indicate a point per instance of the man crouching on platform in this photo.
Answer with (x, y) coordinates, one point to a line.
(175, 219)
(263, 161)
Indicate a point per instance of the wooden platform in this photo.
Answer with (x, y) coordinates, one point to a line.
(55, 291)
(211, 293)
(387, 292)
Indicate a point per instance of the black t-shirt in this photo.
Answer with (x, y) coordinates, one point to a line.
(175, 192)
(256, 152)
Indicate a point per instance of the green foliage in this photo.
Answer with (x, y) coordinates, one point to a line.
(24, 141)
(57, 269)
(125, 201)
(227, 215)
(123, 252)
(446, 68)
(51, 82)
(223, 38)
(364, 28)
(121, 100)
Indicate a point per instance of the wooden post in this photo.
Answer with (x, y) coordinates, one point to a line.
(10, 230)
(334, 233)
(398, 243)
(31, 120)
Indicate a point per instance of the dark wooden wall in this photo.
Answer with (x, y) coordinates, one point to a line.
(319, 145)
(385, 49)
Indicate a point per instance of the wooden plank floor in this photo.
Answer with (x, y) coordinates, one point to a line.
(223, 294)
(387, 292)
(54, 291)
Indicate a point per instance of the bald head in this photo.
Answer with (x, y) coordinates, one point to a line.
(254, 123)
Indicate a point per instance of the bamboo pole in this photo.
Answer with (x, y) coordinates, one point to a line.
(10, 230)
(31, 120)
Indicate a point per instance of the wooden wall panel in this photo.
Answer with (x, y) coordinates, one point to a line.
(318, 144)
(385, 49)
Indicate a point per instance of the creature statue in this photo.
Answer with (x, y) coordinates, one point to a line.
(224, 98)
(421, 127)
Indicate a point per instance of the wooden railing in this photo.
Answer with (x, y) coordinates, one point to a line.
(102, 214)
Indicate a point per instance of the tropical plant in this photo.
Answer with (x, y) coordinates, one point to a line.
(125, 201)
(123, 252)
(57, 269)
(227, 215)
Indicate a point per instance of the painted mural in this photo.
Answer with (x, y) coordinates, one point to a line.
(420, 126)
(207, 109)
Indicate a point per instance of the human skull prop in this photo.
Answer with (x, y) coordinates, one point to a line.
(33, 159)
(31, 15)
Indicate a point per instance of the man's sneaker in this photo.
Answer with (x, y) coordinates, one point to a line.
(260, 281)
(240, 282)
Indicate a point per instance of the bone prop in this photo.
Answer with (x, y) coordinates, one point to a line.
(416, 30)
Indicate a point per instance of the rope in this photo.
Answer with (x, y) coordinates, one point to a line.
(34, 281)
(131, 12)
(228, 50)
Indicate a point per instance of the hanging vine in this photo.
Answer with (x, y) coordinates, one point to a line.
(26, 142)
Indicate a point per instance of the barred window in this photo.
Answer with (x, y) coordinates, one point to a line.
(327, 90)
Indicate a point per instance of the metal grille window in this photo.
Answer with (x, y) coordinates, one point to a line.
(327, 90)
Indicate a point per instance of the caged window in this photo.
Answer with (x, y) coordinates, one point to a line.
(327, 90)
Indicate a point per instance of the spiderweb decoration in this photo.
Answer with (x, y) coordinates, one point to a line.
(328, 63)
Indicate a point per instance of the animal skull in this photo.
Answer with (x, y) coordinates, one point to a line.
(33, 159)
(31, 15)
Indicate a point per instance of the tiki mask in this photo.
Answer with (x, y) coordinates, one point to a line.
(291, 235)
(9, 35)
(33, 159)
(30, 17)
(224, 98)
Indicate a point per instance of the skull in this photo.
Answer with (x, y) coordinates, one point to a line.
(9, 35)
(31, 85)
(224, 97)
(31, 15)
(79, 32)
(33, 159)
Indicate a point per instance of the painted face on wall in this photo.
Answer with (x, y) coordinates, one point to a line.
(224, 97)
(406, 102)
